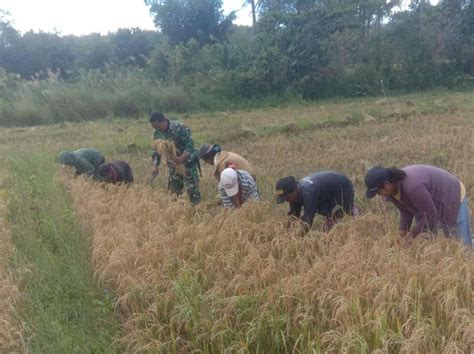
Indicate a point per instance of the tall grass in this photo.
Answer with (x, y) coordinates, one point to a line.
(11, 331)
(62, 309)
(120, 93)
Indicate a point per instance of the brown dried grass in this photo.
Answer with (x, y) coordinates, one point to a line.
(194, 279)
(167, 149)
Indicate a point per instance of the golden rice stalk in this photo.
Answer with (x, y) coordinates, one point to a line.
(167, 150)
(195, 274)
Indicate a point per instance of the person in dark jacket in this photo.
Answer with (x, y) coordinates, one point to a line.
(114, 172)
(327, 193)
(85, 161)
(430, 195)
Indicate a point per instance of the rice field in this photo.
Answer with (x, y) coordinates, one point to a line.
(189, 279)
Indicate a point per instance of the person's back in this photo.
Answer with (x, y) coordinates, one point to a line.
(442, 186)
(224, 159)
(84, 160)
(93, 156)
(326, 188)
(114, 172)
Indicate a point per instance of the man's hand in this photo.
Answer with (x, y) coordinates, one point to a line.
(181, 158)
(154, 171)
(402, 233)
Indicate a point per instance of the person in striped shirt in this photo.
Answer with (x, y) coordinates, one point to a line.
(236, 187)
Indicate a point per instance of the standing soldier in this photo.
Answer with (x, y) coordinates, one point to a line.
(180, 135)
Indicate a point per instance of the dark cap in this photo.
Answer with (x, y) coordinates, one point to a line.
(206, 149)
(374, 179)
(284, 186)
(157, 117)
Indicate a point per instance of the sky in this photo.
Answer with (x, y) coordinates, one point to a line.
(80, 17)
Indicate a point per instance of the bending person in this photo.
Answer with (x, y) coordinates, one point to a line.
(114, 172)
(85, 161)
(213, 155)
(327, 193)
(434, 197)
(236, 187)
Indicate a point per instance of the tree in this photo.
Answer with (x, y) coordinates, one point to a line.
(182, 20)
(133, 46)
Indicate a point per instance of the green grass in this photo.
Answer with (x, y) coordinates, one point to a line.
(63, 310)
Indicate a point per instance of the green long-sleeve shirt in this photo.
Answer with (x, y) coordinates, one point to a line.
(179, 134)
(83, 160)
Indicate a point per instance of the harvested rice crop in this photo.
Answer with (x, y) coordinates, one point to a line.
(167, 149)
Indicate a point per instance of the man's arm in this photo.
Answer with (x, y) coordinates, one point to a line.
(427, 214)
(406, 219)
(226, 200)
(83, 166)
(185, 136)
(295, 210)
(309, 204)
(252, 188)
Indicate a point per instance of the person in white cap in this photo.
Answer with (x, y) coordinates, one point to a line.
(236, 187)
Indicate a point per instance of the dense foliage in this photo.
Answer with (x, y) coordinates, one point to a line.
(297, 48)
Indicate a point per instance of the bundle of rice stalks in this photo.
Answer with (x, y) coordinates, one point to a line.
(167, 150)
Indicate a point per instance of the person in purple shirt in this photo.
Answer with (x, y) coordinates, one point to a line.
(430, 195)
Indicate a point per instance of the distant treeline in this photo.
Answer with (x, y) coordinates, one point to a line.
(296, 49)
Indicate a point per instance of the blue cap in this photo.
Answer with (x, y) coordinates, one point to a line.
(375, 179)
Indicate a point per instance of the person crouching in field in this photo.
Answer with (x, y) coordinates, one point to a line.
(327, 193)
(236, 187)
(213, 155)
(433, 196)
(85, 161)
(114, 172)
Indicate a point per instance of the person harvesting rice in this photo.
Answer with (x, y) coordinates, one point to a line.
(327, 193)
(85, 160)
(431, 195)
(185, 156)
(213, 155)
(236, 187)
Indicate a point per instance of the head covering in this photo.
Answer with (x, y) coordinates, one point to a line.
(66, 158)
(230, 181)
(283, 187)
(157, 117)
(375, 179)
(206, 149)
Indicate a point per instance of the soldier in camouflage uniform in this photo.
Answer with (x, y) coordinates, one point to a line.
(186, 154)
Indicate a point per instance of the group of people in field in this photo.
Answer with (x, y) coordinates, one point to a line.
(426, 196)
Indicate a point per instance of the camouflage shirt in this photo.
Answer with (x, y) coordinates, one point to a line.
(180, 135)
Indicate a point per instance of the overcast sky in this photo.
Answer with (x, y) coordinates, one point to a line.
(86, 16)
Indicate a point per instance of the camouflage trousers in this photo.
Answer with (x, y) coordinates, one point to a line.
(177, 182)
